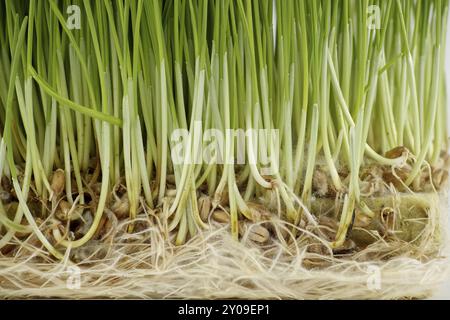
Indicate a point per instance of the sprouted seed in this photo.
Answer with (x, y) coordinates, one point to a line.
(192, 144)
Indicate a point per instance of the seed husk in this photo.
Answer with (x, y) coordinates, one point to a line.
(58, 183)
(121, 207)
(258, 212)
(396, 152)
(66, 211)
(259, 234)
(221, 216)
(255, 232)
(346, 247)
(204, 207)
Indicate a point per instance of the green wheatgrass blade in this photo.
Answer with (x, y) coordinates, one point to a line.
(71, 104)
(103, 102)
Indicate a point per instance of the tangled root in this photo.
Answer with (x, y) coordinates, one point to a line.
(146, 264)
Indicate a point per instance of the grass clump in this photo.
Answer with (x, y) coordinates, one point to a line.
(92, 118)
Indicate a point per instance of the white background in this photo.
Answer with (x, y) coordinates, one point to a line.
(444, 292)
